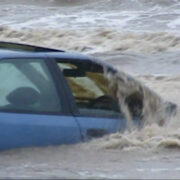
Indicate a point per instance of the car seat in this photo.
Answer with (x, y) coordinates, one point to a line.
(22, 98)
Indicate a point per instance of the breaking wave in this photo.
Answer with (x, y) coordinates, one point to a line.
(114, 4)
(153, 135)
(94, 41)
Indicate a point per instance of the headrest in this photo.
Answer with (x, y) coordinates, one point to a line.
(23, 96)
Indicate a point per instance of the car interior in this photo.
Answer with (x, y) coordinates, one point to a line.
(90, 89)
(29, 87)
(23, 98)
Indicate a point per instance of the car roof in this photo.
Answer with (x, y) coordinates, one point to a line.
(11, 49)
(21, 50)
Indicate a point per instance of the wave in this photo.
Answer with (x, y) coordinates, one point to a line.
(100, 4)
(94, 41)
(114, 4)
(151, 136)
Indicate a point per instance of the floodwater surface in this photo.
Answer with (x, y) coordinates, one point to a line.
(139, 37)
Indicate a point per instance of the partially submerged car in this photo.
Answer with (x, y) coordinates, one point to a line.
(51, 97)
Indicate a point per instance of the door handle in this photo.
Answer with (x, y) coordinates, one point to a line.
(95, 133)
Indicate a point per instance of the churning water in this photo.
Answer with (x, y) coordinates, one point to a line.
(139, 37)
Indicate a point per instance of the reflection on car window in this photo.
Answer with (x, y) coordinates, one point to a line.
(26, 85)
(90, 89)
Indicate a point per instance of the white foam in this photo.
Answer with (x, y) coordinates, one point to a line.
(175, 23)
(155, 18)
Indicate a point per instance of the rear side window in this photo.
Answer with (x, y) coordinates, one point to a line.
(26, 85)
(90, 89)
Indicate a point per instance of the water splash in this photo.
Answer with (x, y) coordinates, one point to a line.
(137, 101)
(154, 134)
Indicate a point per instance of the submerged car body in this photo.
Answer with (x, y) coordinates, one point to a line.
(51, 97)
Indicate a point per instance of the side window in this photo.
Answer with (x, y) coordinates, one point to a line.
(90, 89)
(26, 85)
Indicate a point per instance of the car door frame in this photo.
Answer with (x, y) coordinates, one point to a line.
(71, 100)
(61, 81)
(62, 98)
(59, 88)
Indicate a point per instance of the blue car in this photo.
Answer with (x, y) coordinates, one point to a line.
(51, 97)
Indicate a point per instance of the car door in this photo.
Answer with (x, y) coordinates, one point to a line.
(33, 110)
(92, 98)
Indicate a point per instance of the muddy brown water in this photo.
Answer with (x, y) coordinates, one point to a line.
(138, 37)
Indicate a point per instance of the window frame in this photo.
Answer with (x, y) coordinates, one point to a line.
(72, 103)
(58, 87)
(61, 81)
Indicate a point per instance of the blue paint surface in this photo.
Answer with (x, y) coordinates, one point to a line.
(108, 125)
(23, 130)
